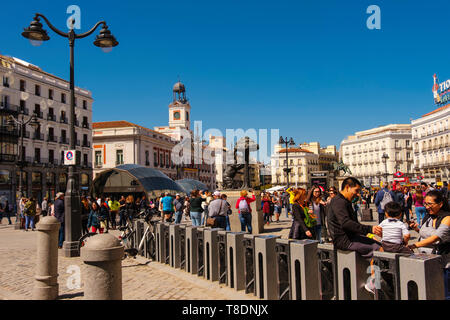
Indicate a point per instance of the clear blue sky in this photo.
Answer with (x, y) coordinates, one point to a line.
(309, 68)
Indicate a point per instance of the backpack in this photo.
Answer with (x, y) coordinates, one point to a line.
(387, 197)
(310, 220)
(243, 206)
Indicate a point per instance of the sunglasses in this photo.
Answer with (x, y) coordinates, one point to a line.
(427, 204)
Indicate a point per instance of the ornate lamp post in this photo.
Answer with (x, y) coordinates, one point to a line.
(384, 158)
(106, 41)
(291, 143)
(21, 163)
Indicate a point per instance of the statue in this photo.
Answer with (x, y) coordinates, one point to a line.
(341, 166)
(245, 145)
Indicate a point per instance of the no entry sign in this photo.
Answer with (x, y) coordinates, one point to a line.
(69, 157)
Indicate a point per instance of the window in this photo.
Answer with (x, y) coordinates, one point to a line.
(147, 160)
(84, 104)
(407, 143)
(85, 159)
(50, 94)
(63, 97)
(5, 81)
(98, 158)
(187, 116)
(119, 156)
(51, 155)
(155, 157)
(75, 103)
(37, 90)
(62, 156)
(22, 85)
(37, 155)
(408, 155)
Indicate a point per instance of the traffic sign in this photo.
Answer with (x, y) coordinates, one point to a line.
(398, 174)
(69, 157)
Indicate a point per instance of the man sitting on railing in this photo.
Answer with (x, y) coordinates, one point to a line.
(345, 230)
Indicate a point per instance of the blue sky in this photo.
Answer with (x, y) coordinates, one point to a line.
(309, 68)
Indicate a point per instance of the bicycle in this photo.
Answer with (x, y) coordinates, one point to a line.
(128, 235)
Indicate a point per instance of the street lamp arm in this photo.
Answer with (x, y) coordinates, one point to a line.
(88, 33)
(21, 123)
(63, 34)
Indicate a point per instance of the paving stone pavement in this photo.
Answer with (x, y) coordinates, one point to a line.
(142, 279)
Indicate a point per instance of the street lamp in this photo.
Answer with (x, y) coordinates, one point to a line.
(291, 143)
(21, 163)
(384, 158)
(106, 41)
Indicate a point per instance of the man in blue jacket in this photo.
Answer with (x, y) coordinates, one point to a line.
(379, 198)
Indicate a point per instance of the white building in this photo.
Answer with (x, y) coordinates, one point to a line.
(301, 162)
(431, 145)
(363, 152)
(26, 89)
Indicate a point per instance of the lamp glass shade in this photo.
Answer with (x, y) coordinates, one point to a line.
(281, 141)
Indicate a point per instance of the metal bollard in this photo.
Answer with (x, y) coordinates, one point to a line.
(102, 256)
(304, 272)
(222, 256)
(160, 243)
(387, 278)
(182, 244)
(328, 279)
(191, 249)
(166, 235)
(235, 260)
(353, 272)
(266, 281)
(282, 252)
(200, 252)
(249, 263)
(46, 279)
(421, 277)
(174, 250)
(210, 250)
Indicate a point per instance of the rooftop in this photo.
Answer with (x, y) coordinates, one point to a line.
(437, 110)
(294, 150)
(122, 124)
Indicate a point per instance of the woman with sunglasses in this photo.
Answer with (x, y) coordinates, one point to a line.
(435, 231)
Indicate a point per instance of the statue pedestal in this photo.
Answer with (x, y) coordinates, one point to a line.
(340, 179)
(257, 214)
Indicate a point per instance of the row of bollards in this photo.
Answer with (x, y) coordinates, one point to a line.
(279, 269)
(264, 265)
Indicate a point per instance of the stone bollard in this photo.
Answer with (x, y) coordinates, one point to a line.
(102, 256)
(46, 278)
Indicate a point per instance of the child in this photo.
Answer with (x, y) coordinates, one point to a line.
(395, 233)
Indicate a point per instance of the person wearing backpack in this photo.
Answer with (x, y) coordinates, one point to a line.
(245, 211)
(385, 195)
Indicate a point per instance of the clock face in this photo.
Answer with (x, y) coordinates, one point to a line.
(176, 115)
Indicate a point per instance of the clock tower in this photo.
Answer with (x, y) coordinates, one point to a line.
(179, 109)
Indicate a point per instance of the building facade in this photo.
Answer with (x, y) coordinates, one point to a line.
(431, 145)
(26, 90)
(363, 153)
(327, 156)
(301, 162)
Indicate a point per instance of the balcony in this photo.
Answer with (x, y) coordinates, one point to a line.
(8, 157)
(4, 130)
(51, 117)
(118, 163)
(85, 125)
(86, 144)
(52, 139)
(63, 120)
(87, 165)
(38, 136)
(8, 107)
(353, 152)
(39, 114)
(77, 123)
(64, 140)
(98, 165)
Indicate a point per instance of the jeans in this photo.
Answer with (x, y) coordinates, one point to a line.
(447, 283)
(178, 216)
(266, 217)
(61, 235)
(196, 218)
(123, 220)
(246, 221)
(318, 231)
(29, 219)
(287, 208)
(228, 227)
(221, 222)
(420, 214)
